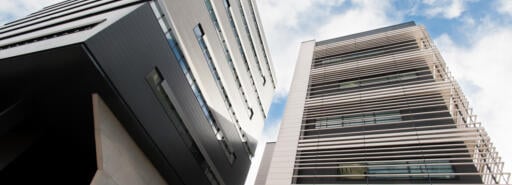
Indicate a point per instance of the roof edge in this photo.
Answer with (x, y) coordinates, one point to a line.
(366, 33)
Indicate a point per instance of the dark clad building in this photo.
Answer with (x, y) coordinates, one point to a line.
(55, 63)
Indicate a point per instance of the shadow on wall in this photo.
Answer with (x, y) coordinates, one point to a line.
(46, 126)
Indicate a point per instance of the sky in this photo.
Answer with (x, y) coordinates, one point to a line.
(473, 36)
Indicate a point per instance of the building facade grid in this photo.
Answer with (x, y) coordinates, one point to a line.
(380, 107)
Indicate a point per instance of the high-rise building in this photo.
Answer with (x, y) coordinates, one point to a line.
(379, 107)
(133, 92)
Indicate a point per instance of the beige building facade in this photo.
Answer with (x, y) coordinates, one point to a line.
(380, 107)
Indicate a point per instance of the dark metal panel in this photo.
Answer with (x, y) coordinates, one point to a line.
(54, 130)
(126, 52)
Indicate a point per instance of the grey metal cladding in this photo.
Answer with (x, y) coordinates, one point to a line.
(46, 34)
(381, 108)
(66, 16)
(366, 33)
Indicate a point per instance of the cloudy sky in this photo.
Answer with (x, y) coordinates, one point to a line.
(474, 36)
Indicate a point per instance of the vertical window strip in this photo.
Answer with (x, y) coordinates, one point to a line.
(229, 58)
(253, 47)
(162, 90)
(199, 96)
(175, 48)
(258, 31)
(200, 36)
(227, 7)
(359, 119)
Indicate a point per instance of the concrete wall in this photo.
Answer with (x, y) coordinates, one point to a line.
(261, 177)
(283, 159)
(120, 160)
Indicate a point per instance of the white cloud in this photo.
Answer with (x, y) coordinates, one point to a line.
(484, 72)
(446, 8)
(468, 21)
(271, 131)
(505, 7)
(10, 9)
(283, 22)
(363, 16)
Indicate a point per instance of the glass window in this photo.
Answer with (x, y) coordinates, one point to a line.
(319, 123)
(411, 167)
(409, 76)
(353, 120)
(242, 52)
(349, 84)
(387, 117)
(353, 171)
(334, 122)
(251, 113)
(226, 3)
(162, 23)
(367, 82)
(198, 31)
(162, 90)
(330, 60)
(359, 119)
(155, 77)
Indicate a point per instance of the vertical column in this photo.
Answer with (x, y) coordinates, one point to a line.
(282, 165)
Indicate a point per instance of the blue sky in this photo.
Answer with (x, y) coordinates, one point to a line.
(474, 36)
